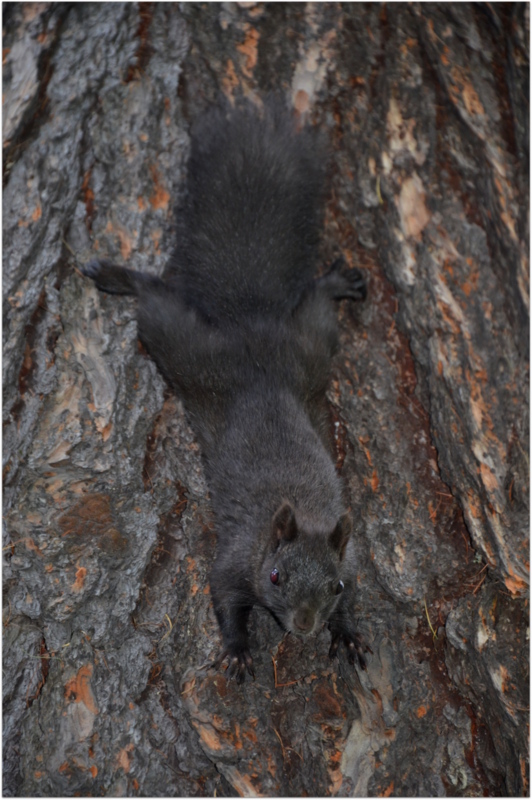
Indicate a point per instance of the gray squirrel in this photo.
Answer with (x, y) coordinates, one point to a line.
(244, 332)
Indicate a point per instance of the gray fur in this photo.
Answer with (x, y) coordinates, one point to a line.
(245, 333)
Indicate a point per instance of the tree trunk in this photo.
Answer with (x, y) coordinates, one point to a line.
(108, 625)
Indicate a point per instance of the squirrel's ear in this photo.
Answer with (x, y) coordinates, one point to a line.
(340, 535)
(283, 524)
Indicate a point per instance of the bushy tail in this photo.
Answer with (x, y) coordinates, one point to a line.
(248, 228)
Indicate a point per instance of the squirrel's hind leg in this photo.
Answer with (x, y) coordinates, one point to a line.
(112, 278)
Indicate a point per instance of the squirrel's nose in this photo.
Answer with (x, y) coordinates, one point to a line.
(304, 620)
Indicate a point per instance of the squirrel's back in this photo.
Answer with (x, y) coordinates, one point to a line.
(248, 225)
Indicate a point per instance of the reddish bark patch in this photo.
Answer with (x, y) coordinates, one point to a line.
(88, 199)
(249, 49)
(124, 759)
(77, 586)
(79, 689)
(92, 519)
(144, 49)
(160, 197)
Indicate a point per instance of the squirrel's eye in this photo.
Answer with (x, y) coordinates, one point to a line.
(274, 576)
(340, 587)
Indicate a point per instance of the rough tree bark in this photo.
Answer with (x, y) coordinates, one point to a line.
(108, 625)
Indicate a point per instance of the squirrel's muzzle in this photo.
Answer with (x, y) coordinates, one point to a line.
(304, 620)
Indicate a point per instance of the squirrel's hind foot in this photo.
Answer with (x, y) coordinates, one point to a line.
(112, 278)
(343, 283)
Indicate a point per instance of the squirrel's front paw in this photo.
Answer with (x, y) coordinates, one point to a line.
(355, 644)
(239, 661)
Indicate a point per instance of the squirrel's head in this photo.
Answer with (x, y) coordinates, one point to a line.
(299, 579)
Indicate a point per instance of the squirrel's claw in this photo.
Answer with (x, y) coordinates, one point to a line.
(356, 647)
(240, 662)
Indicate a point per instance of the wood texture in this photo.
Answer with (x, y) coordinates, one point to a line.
(108, 626)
